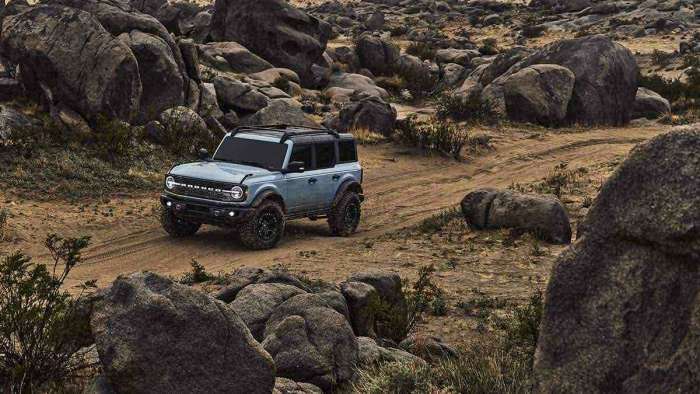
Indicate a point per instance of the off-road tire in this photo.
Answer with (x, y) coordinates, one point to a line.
(175, 226)
(345, 215)
(265, 228)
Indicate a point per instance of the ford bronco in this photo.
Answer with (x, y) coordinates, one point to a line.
(260, 177)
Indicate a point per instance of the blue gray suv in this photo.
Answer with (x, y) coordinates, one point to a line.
(260, 177)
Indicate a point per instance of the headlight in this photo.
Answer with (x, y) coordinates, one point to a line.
(170, 182)
(237, 193)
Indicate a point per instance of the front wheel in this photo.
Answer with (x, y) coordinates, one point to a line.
(175, 226)
(345, 215)
(265, 229)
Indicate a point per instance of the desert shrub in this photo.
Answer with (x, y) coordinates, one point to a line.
(41, 327)
(198, 274)
(481, 305)
(489, 47)
(434, 136)
(471, 109)
(500, 366)
(366, 137)
(683, 95)
(423, 50)
(396, 322)
(283, 84)
(559, 180)
(661, 58)
(183, 136)
(112, 139)
(435, 223)
(4, 214)
(521, 329)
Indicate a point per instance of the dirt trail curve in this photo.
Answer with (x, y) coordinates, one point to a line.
(402, 189)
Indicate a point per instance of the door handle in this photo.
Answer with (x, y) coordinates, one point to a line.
(312, 180)
(336, 177)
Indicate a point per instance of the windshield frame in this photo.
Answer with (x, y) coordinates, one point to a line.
(284, 152)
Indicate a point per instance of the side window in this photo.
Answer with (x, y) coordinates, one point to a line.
(347, 151)
(302, 153)
(325, 155)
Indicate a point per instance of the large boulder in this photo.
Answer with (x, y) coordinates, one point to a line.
(275, 30)
(606, 78)
(161, 76)
(649, 104)
(392, 300)
(543, 215)
(156, 336)
(255, 303)
(246, 276)
(238, 58)
(91, 71)
(371, 354)
(288, 386)
(363, 304)
(536, 94)
(341, 86)
(311, 341)
(622, 308)
(239, 96)
(369, 113)
(281, 111)
(376, 54)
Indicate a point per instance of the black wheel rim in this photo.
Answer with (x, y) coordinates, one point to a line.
(268, 226)
(352, 213)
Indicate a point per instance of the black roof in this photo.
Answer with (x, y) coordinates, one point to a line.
(285, 132)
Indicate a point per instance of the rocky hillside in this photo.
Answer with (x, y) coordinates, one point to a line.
(99, 97)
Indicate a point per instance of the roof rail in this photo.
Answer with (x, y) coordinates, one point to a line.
(286, 133)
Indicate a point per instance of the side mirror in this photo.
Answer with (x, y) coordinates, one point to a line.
(203, 154)
(295, 166)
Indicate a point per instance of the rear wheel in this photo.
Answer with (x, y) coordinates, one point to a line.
(265, 229)
(175, 226)
(345, 215)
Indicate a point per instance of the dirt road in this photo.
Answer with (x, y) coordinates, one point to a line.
(402, 188)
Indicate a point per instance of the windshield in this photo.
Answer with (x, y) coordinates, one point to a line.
(265, 154)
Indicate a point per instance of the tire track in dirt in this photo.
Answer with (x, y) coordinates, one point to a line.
(400, 194)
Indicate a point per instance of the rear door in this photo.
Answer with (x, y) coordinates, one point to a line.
(301, 188)
(325, 173)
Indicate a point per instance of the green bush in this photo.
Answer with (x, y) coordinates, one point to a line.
(422, 50)
(198, 274)
(41, 329)
(396, 322)
(434, 136)
(458, 108)
(4, 214)
(501, 366)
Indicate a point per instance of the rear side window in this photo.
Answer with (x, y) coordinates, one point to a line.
(347, 151)
(325, 155)
(302, 153)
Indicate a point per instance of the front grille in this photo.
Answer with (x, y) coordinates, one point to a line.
(201, 188)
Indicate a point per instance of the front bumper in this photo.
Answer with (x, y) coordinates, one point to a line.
(198, 210)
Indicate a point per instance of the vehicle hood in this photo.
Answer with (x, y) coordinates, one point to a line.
(218, 171)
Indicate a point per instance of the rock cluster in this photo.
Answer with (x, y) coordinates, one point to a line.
(272, 333)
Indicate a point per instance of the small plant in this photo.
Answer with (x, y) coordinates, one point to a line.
(661, 58)
(397, 321)
(4, 214)
(482, 305)
(489, 47)
(421, 50)
(198, 274)
(41, 325)
(112, 138)
(522, 329)
(366, 137)
(435, 223)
